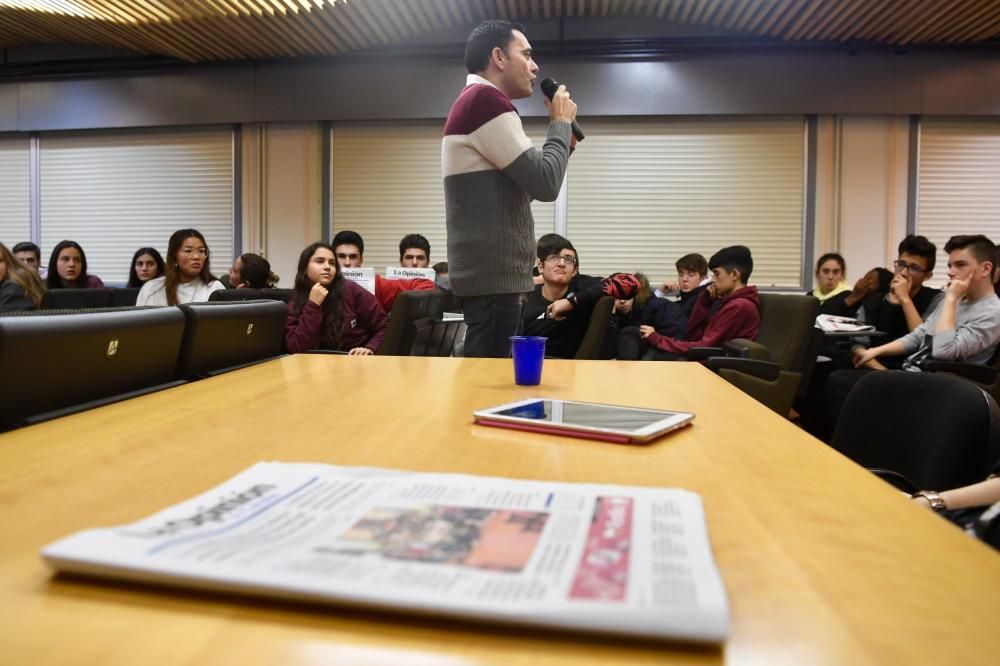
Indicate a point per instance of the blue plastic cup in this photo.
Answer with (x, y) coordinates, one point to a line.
(528, 352)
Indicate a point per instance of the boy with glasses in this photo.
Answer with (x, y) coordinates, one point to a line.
(908, 302)
(561, 306)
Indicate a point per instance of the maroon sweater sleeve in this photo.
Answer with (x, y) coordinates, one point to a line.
(367, 309)
(737, 319)
(302, 330)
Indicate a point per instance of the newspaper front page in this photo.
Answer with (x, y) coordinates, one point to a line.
(596, 558)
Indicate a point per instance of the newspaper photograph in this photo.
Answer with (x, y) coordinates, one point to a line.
(597, 558)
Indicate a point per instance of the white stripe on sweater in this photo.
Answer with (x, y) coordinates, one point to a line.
(493, 146)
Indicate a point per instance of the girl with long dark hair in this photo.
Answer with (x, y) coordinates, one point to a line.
(146, 265)
(187, 277)
(327, 311)
(68, 268)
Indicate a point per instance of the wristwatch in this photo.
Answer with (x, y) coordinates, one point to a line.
(571, 297)
(933, 497)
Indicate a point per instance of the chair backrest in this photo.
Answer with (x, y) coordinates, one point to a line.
(436, 337)
(598, 339)
(408, 307)
(938, 430)
(786, 323)
(66, 299)
(61, 363)
(223, 336)
(283, 295)
(231, 295)
(124, 296)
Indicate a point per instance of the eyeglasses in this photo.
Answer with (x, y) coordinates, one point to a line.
(556, 258)
(914, 269)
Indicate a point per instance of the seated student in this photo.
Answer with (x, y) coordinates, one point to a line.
(670, 317)
(187, 277)
(327, 311)
(561, 307)
(725, 310)
(31, 256)
(628, 311)
(964, 327)
(68, 268)
(20, 286)
(908, 302)
(832, 289)
(350, 250)
(146, 265)
(414, 251)
(251, 271)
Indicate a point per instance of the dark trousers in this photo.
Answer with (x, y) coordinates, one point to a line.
(491, 321)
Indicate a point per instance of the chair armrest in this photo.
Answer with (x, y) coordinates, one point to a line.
(895, 479)
(981, 374)
(701, 353)
(766, 370)
(744, 348)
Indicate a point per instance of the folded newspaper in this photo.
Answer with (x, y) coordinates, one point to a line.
(836, 324)
(588, 557)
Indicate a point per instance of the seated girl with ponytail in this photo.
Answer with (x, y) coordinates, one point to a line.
(328, 312)
(252, 271)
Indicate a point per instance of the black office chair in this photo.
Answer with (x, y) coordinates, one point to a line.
(124, 296)
(77, 299)
(57, 364)
(409, 308)
(936, 430)
(283, 295)
(224, 336)
(235, 295)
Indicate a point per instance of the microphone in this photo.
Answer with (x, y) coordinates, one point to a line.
(549, 88)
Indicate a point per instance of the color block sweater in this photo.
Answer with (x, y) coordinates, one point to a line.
(491, 173)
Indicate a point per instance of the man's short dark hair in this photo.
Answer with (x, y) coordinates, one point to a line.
(919, 246)
(693, 262)
(485, 37)
(414, 240)
(349, 238)
(734, 257)
(440, 267)
(28, 246)
(554, 244)
(979, 246)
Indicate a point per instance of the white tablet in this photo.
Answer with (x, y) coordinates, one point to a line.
(611, 423)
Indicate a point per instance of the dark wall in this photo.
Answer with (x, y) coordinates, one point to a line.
(941, 82)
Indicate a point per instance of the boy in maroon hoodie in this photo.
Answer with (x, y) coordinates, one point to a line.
(726, 310)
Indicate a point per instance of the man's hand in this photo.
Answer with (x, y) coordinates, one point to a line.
(559, 309)
(561, 107)
(899, 289)
(862, 356)
(645, 330)
(669, 287)
(318, 294)
(713, 291)
(956, 288)
(360, 351)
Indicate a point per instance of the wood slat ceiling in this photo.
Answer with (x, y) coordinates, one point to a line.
(204, 30)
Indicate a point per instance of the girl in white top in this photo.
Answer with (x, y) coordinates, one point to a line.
(187, 278)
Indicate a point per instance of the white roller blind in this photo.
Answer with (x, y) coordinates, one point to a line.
(114, 192)
(958, 182)
(387, 184)
(641, 194)
(15, 195)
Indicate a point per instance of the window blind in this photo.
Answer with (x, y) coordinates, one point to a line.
(643, 193)
(387, 183)
(116, 191)
(15, 195)
(958, 182)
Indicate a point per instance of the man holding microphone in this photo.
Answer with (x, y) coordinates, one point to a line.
(491, 173)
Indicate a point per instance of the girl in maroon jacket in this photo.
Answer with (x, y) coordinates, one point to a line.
(329, 312)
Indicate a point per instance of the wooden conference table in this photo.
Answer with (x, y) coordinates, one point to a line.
(822, 562)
